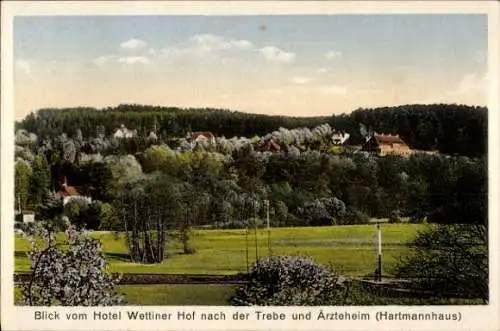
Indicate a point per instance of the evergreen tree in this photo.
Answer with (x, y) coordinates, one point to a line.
(23, 177)
(41, 179)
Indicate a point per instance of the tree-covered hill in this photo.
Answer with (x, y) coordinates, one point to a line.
(167, 120)
(227, 182)
(451, 129)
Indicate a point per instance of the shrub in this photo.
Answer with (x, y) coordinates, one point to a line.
(75, 211)
(395, 217)
(251, 223)
(415, 220)
(353, 216)
(288, 280)
(449, 260)
(71, 272)
(109, 219)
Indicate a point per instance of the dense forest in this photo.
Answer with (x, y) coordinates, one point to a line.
(159, 183)
(450, 129)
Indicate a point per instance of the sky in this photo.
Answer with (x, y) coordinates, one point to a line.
(300, 65)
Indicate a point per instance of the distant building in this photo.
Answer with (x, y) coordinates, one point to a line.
(152, 136)
(339, 137)
(25, 216)
(123, 132)
(382, 145)
(194, 137)
(271, 145)
(69, 193)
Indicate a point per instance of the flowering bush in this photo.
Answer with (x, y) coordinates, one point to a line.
(289, 281)
(69, 272)
(25, 138)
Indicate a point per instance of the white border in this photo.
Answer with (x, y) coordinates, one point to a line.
(21, 318)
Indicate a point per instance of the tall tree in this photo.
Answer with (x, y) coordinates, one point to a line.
(23, 177)
(41, 179)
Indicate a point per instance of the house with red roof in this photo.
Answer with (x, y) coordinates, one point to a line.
(68, 193)
(194, 137)
(383, 144)
(271, 145)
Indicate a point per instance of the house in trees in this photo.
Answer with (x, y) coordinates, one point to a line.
(69, 193)
(152, 136)
(195, 137)
(339, 137)
(25, 216)
(123, 132)
(383, 144)
(271, 145)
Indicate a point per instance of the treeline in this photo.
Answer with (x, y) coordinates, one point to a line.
(167, 121)
(311, 188)
(451, 129)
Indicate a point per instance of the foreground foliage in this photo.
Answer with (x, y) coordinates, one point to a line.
(288, 281)
(71, 272)
(449, 259)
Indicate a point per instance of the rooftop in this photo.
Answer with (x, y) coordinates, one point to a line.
(388, 139)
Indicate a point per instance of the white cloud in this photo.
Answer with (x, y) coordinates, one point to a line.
(323, 70)
(274, 54)
(300, 80)
(102, 60)
(203, 44)
(332, 89)
(243, 44)
(134, 60)
(24, 66)
(110, 59)
(133, 43)
(210, 42)
(332, 55)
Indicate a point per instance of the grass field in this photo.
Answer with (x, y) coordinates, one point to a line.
(351, 250)
(172, 295)
(219, 295)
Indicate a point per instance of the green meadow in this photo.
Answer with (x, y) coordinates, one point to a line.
(220, 295)
(350, 250)
(172, 295)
